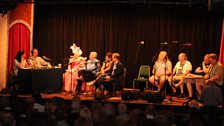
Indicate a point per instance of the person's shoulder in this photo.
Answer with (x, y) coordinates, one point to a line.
(16, 61)
(120, 63)
(188, 62)
(31, 57)
(169, 62)
(178, 63)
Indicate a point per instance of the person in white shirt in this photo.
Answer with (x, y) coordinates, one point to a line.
(36, 61)
(181, 69)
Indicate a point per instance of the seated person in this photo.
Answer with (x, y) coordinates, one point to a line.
(93, 64)
(204, 66)
(181, 69)
(215, 72)
(115, 74)
(89, 71)
(19, 62)
(202, 71)
(75, 65)
(106, 64)
(36, 61)
(161, 70)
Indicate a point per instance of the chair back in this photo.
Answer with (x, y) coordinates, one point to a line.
(124, 76)
(144, 71)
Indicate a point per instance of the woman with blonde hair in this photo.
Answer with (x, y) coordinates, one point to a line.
(161, 70)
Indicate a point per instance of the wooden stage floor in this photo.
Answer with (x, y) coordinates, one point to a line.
(175, 102)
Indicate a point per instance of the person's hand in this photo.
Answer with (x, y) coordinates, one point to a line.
(198, 70)
(206, 71)
(206, 76)
(107, 77)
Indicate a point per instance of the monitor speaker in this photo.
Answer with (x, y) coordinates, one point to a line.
(152, 96)
(130, 94)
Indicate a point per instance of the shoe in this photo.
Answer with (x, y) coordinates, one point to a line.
(181, 95)
(174, 94)
(189, 98)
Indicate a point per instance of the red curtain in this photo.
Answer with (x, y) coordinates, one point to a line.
(221, 53)
(19, 39)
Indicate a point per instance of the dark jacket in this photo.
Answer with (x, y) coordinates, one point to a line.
(118, 75)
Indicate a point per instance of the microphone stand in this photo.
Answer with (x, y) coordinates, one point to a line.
(136, 56)
(71, 77)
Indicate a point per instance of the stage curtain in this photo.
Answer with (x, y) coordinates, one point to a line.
(120, 28)
(19, 39)
(221, 53)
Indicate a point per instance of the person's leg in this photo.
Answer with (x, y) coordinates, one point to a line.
(189, 88)
(153, 81)
(181, 88)
(171, 80)
(161, 82)
(199, 88)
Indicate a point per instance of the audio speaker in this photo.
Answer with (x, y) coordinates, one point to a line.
(130, 94)
(153, 97)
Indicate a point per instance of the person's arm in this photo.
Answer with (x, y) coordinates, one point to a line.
(30, 62)
(169, 66)
(199, 69)
(175, 69)
(103, 67)
(43, 63)
(218, 74)
(108, 68)
(188, 69)
(118, 71)
(204, 69)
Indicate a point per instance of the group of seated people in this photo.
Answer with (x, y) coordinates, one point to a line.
(80, 70)
(34, 61)
(211, 69)
(94, 72)
(82, 73)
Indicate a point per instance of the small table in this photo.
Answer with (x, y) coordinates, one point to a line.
(193, 78)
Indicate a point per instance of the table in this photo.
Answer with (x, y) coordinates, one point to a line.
(40, 80)
(192, 78)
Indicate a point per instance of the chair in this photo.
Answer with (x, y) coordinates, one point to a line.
(143, 76)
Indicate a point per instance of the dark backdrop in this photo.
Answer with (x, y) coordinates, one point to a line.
(120, 27)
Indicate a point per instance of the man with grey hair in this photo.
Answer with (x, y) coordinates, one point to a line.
(93, 64)
(215, 72)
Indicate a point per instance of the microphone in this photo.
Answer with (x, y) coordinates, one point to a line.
(164, 43)
(141, 42)
(44, 57)
(187, 44)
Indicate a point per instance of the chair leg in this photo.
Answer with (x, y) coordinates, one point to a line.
(147, 85)
(133, 84)
(114, 86)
